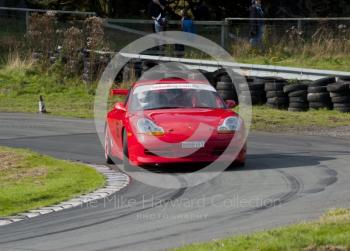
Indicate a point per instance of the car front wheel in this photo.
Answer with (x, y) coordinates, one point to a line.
(108, 159)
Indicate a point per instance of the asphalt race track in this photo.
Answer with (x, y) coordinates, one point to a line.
(287, 179)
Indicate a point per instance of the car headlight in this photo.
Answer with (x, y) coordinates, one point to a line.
(146, 126)
(230, 125)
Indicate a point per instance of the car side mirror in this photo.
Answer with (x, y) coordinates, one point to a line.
(120, 106)
(231, 104)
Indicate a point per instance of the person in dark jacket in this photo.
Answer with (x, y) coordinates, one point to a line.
(256, 26)
(156, 10)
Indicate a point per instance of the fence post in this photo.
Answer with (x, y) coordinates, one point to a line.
(300, 24)
(224, 34)
(27, 21)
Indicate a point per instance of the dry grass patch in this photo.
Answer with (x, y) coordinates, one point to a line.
(326, 248)
(9, 160)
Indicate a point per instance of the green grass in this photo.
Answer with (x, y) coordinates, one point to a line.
(29, 180)
(21, 86)
(273, 120)
(337, 63)
(20, 89)
(321, 62)
(330, 231)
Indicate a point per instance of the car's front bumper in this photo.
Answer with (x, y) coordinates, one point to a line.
(222, 148)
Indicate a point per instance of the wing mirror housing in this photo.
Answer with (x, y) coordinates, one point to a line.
(120, 106)
(119, 92)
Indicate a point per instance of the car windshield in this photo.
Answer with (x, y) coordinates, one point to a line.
(170, 96)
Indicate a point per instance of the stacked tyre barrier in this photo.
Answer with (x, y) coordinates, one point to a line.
(253, 90)
(318, 95)
(325, 93)
(297, 94)
(226, 90)
(340, 95)
(223, 84)
(276, 97)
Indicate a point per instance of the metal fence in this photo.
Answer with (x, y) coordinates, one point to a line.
(292, 32)
(231, 33)
(234, 33)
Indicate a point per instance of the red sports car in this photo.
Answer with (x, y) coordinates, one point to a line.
(173, 121)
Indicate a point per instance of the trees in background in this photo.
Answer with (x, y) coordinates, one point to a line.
(219, 8)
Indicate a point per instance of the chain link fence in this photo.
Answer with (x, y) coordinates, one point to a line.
(309, 36)
(120, 32)
(71, 36)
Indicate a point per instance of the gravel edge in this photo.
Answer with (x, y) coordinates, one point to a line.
(115, 181)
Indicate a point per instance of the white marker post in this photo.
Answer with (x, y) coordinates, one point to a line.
(42, 108)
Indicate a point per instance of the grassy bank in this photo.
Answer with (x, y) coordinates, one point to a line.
(331, 232)
(337, 63)
(29, 180)
(21, 84)
(273, 120)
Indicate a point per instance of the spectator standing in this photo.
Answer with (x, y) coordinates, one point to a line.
(187, 22)
(187, 26)
(256, 26)
(157, 12)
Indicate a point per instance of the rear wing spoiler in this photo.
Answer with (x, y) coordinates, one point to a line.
(119, 92)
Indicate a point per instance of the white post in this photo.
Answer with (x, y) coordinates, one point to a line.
(224, 34)
(42, 108)
(27, 20)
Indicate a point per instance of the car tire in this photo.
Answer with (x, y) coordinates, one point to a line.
(107, 149)
(126, 162)
(237, 164)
